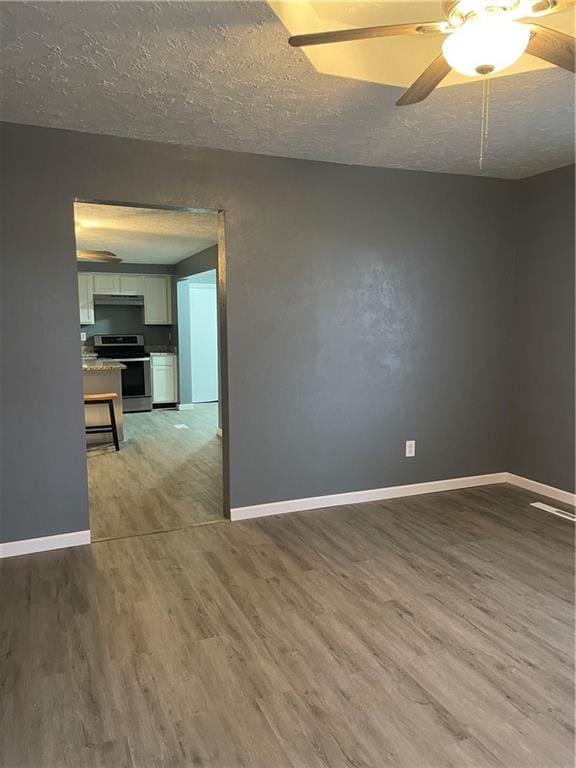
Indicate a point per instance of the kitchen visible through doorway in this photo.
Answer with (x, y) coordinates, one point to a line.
(150, 332)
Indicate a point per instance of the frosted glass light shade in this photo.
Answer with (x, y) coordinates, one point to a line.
(485, 45)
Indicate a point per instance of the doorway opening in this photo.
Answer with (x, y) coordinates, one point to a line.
(198, 339)
(152, 296)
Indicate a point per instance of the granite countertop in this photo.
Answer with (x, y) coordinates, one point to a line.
(102, 365)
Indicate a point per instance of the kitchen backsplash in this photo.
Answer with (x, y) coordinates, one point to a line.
(118, 319)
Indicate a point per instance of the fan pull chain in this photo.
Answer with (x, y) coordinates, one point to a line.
(485, 115)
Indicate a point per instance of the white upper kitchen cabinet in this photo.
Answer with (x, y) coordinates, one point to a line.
(106, 283)
(131, 285)
(156, 289)
(157, 300)
(86, 298)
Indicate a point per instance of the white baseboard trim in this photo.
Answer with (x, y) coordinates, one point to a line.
(80, 538)
(541, 489)
(359, 497)
(553, 510)
(43, 544)
(185, 406)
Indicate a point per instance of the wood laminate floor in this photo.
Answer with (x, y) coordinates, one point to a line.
(168, 474)
(430, 631)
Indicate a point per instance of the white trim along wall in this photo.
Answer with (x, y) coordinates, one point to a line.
(543, 490)
(80, 538)
(397, 491)
(45, 543)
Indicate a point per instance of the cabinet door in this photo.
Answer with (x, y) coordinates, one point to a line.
(157, 300)
(164, 385)
(131, 285)
(105, 283)
(85, 297)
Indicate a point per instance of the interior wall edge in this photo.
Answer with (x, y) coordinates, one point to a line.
(541, 404)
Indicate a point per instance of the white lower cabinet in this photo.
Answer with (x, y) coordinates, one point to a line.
(164, 378)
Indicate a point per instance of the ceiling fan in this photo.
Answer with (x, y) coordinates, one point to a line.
(482, 37)
(106, 257)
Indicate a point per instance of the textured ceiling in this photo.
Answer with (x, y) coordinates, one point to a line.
(221, 74)
(144, 235)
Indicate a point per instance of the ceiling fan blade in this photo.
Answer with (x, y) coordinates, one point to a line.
(104, 256)
(552, 46)
(545, 7)
(366, 33)
(425, 84)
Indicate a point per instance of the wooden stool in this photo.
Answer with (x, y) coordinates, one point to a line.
(108, 399)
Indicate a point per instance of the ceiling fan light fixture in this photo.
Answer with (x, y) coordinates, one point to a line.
(485, 45)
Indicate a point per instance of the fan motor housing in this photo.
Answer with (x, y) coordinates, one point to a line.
(456, 13)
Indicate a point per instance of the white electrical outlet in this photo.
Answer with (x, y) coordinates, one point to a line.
(82, 336)
(410, 448)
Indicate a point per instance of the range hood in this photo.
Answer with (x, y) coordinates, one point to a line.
(116, 300)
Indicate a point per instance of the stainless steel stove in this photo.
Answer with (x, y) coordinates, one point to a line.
(136, 379)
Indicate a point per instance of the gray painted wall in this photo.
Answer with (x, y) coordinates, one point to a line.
(130, 269)
(200, 262)
(365, 307)
(543, 343)
(125, 319)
